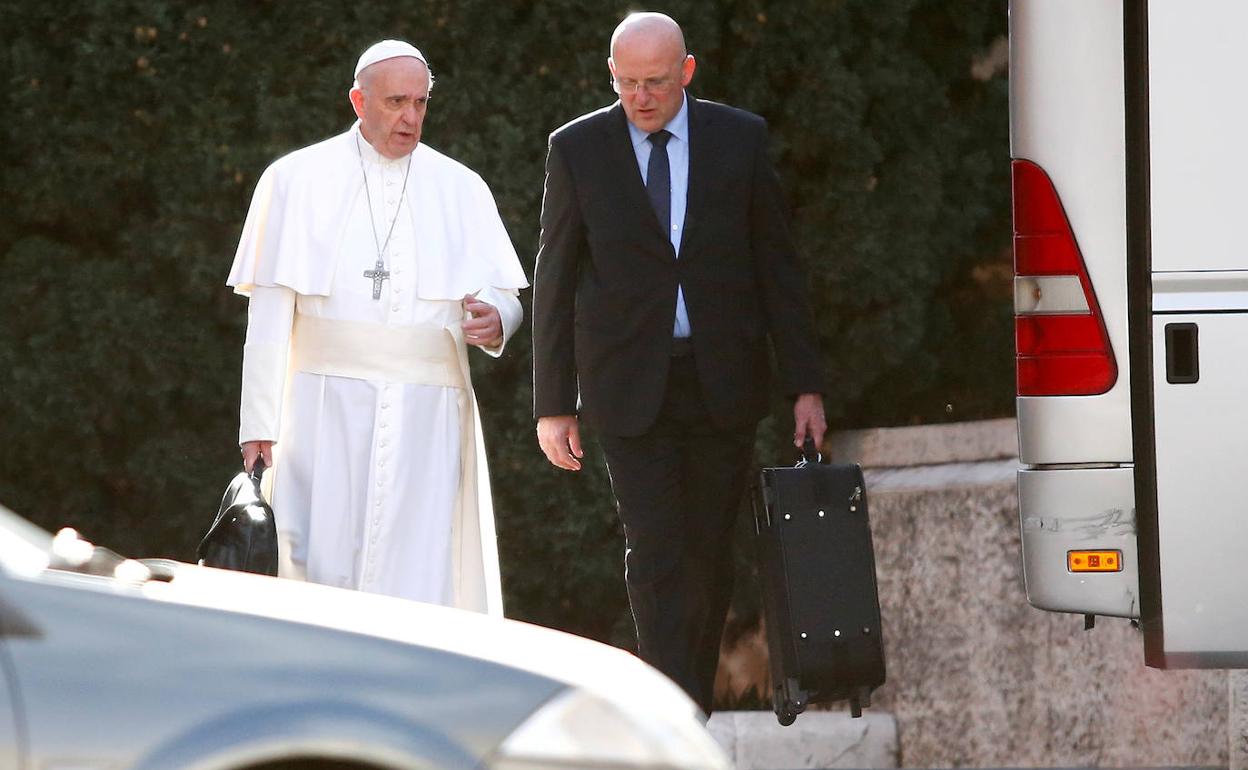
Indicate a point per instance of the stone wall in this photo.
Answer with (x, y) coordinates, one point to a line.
(976, 676)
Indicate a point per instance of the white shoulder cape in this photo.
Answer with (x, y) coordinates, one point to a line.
(298, 215)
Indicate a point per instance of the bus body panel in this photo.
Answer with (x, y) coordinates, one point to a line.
(1198, 118)
(1065, 509)
(1066, 430)
(1202, 488)
(1208, 290)
(1078, 69)
(1063, 60)
(1065, 55)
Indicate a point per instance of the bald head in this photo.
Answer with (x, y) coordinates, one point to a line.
(651, 31)
(650, 68)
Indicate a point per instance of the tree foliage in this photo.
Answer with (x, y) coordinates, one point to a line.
(136, 130)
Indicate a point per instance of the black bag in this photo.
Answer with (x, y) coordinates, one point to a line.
(817, 568)
(244, 535)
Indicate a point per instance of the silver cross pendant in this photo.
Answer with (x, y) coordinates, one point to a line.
(379, 273)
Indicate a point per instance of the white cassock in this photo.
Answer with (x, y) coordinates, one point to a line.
(379, 480)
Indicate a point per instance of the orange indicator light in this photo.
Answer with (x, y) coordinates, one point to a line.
(1094, 561)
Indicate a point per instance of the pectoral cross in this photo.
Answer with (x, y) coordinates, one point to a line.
(379, 273)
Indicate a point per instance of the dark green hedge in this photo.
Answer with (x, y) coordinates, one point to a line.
(135, 132)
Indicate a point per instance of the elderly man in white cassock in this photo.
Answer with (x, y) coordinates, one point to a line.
(372, 261)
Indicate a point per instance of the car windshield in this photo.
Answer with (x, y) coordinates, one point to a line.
(24, 548)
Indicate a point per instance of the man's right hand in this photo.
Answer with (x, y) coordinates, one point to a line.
(560, 438)
(254, 449)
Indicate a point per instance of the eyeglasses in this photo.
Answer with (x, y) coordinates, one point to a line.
(656, 86)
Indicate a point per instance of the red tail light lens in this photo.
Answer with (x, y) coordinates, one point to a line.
(1063, 347)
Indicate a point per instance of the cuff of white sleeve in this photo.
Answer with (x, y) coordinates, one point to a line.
(510, 313)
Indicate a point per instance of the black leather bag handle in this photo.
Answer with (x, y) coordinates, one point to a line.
(810, 454)
(257, 469)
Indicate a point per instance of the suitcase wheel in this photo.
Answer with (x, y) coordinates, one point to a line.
(793, 696)
(789, 701)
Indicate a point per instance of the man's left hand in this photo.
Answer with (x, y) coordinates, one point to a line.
(808, 419)
(484, 327)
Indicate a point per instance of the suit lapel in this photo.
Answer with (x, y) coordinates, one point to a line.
(700, 164)
(624, 159)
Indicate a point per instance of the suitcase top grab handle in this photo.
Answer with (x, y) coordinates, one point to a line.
(810, 453)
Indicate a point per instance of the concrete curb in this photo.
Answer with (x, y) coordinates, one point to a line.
(827, 740)
(957, 442)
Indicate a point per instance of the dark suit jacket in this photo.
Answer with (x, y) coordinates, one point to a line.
(604, 295)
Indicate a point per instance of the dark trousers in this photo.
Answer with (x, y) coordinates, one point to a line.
(678, 488)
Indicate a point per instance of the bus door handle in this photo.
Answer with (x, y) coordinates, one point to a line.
(1182, 354)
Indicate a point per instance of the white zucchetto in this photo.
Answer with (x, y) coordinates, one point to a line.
(388, 49)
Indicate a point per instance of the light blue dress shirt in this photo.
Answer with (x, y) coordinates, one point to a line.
(678, 158)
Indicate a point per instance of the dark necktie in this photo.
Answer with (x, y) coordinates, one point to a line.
(659, 179)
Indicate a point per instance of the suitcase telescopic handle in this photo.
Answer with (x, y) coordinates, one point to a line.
(810, 453)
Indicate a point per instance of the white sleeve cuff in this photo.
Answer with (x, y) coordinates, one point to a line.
(509, 312)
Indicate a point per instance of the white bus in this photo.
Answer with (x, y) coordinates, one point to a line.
(1131, 303)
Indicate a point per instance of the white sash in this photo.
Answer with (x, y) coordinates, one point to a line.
(421, 355)
(417, 355)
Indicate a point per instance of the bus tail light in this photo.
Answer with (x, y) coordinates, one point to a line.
(1063, 347)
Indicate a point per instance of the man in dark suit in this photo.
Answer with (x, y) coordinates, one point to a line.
(665, 264)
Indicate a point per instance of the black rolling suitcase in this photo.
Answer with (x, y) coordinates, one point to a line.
(817, 569)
